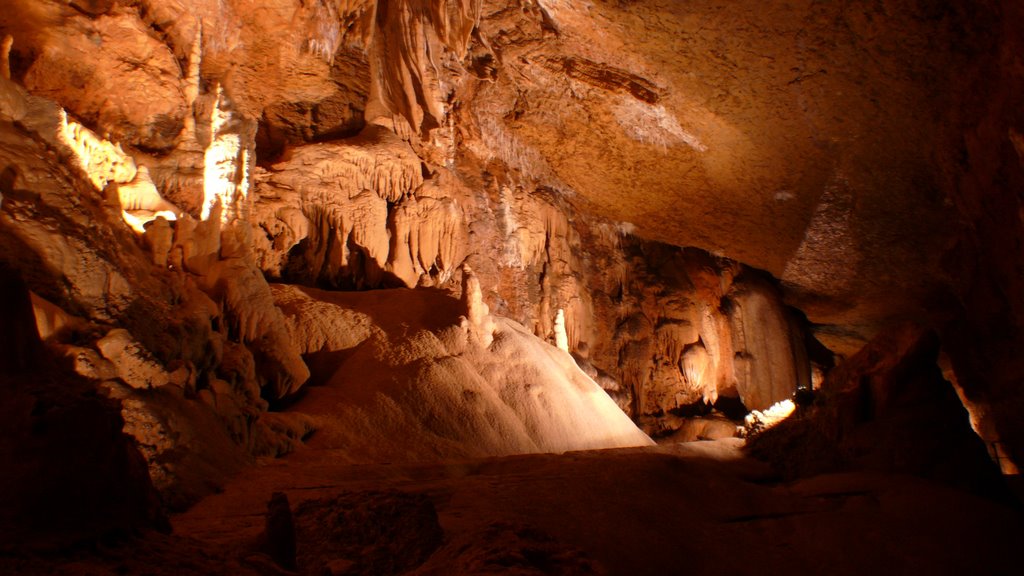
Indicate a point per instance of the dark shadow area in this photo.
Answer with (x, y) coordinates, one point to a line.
(731, 406)
(886, 409)
(430, 308)
(70, 474)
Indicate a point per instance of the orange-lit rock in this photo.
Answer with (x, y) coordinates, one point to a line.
(814, 141)
(705, 206)
(438, 378)
(85, 65)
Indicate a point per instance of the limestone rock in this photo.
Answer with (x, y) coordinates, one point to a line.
(765, 359)
(133, 363)
(13, 101)
(983, 337)
(70, 475)
(652, 318)
(517, 547)
(410, 38)
(862, 162)
(300, 69)
(317, 325)
(70, 244)
(415, 390)
(57, 217)
(725, 131)
(5, 57)
(102, 160)
(699, 429)
(758, 421)
(186, 445)
(111, 72)
(887, 408)
(88, 363)
(363, 533)
(324, 333)
(255, 320)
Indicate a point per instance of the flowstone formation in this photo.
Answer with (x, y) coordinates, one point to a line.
(704, 207)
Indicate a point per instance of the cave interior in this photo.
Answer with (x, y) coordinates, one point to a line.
(422, 287)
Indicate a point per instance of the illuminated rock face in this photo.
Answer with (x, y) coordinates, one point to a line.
(423, 376)
(835, 158)
(357, 213)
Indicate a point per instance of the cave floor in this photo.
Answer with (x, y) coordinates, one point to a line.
(695, 508)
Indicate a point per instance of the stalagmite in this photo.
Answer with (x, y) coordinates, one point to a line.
(561, 339)
(481, 325)
(225, 165)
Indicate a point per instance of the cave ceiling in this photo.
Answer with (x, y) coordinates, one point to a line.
(802, 138)
(798, 137)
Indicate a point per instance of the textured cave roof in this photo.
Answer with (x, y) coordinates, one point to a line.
(808, 139)
(803, 138)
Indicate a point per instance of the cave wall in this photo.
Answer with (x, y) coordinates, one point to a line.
(661, 327)
(983, 160)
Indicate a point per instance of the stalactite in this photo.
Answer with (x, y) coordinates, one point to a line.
(361, 195)
(428, 240)
(764, 359)
(696, 366)
(192, 80)
(106, 163)
(408, 45)
(387, 166)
